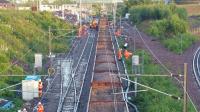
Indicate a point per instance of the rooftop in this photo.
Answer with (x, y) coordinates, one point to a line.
(4, 1)
(100, 1)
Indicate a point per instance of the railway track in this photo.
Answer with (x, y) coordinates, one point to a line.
(71, 91)
(52, 95)
(196, 66)
(105, 81)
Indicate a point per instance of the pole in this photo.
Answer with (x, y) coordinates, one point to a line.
(49, 40)
(185, 88)
(136, 86)
(120, 22)
(50, 45)
(181, 45)
(114, 14)
(80, 17)
(134, 40)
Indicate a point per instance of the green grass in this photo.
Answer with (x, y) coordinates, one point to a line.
(168, 24)
(22, 34)
(178, 43)
(152, 101)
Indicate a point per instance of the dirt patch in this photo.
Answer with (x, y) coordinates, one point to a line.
(174, 62)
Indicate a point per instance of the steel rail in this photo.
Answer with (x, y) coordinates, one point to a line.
(195, 65)
(118, 70)
(152, 53)
(48, 87)
(60, 107)
(111, 76)
(94, 64)
(84, 75)
(126, 73)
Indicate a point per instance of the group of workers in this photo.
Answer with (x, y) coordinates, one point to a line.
(40, 107)
(123, 52)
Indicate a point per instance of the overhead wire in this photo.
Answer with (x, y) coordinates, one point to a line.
(163, 65)
(67, 56)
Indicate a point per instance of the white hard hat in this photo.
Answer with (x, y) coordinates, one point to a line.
(24, 109)
(39, 103)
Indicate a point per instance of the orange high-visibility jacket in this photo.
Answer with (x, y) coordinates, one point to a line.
(127, 54)
(40, 108)
(40, 86)
(118, 33)
(80, 31)
(119, 54)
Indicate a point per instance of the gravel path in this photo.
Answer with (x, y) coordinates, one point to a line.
(174, 62)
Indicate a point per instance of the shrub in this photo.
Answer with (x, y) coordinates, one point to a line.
(180, 42)
(168, 27)
(148, 12)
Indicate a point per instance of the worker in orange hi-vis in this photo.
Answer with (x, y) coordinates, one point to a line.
(120, 54)
(118, 33)
(127, 54)
(85, 30)
(40, 86)
(40, 107)
(80, 31)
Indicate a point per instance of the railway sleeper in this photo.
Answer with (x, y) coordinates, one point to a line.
(100, 84)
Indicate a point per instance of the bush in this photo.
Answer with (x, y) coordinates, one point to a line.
(168, 27)
(179, 43)
(25, 33)
(148, 12)
(152, 101)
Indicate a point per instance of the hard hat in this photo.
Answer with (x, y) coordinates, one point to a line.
(24, 109)
(39, 103)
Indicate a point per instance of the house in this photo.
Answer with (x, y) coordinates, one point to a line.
(6, 5)
(5, 104)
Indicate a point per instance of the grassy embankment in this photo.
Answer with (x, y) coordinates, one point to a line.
(168, 24)
(22, 34)
(152, 101)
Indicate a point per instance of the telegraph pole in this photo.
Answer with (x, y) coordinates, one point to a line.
(80, 16)
(185, 88)
(49, 40)
(50, 46)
